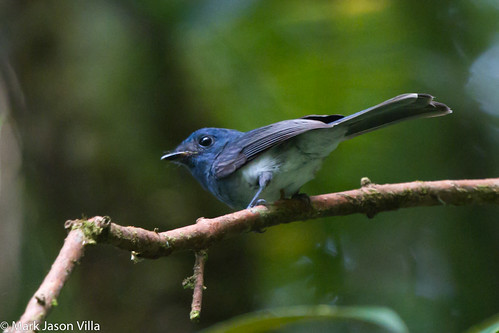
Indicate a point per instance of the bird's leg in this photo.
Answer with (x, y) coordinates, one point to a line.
(263, 180)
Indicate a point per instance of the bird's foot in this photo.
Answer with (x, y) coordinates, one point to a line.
(257, 203)
(302, 197)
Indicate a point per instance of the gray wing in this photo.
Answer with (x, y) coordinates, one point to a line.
(251, 144)
(392, 111)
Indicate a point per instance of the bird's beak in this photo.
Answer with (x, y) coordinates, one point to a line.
(177, 156)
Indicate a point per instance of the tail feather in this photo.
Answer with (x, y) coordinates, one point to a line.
(392, 111)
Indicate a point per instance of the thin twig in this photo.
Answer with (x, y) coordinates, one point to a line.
(197, 295)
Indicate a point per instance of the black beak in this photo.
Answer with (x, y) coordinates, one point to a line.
(176, 156)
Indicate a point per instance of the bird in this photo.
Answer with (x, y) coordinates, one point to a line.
(261, 166)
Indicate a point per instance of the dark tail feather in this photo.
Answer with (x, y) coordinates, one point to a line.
(392, 111)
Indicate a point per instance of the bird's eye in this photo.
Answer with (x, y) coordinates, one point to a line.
(205, 141)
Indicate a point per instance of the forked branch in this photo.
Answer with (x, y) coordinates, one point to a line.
(370, 199)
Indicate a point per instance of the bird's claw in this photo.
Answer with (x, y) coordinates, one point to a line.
(257, 203)
(261, 202)
(302, 197)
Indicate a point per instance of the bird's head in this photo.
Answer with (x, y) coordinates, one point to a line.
(200, 149)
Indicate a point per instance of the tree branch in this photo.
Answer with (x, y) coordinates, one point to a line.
(370, 199)
(46, 296)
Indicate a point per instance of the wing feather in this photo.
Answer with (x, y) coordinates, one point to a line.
(251, 144)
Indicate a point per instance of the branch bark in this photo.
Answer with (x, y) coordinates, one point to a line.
(46, 296)
(196, 282)
(370, 199)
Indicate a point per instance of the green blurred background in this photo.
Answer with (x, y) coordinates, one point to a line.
(93, 92)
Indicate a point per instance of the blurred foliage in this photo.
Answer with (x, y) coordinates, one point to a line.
(490, 325)
(108, 86)
(281, 318)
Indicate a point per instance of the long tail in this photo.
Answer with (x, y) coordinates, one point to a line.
(392, 111)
